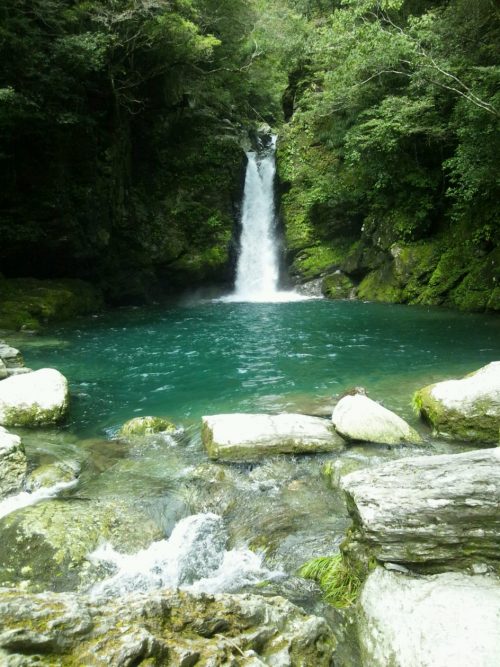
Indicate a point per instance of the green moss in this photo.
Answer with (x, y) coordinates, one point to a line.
(339, 581)
(476, 292)
(146, 426)
(381, 285)
(35, 416)
(338, 286)
(27, 303)
(313, 261)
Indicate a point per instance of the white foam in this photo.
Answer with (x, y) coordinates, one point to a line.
(25, 499)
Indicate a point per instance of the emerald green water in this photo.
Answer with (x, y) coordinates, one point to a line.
(213, 357)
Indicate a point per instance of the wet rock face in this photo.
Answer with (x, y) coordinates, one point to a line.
(433, 512)
(13, 463)
(436, 621)
(466, 409)
(246, 437)
(162, 628)
(34, 399)
(140, 426)
(358, 418)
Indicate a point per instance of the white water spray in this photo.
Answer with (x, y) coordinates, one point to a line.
(257, 273)
(25, 499)
(193, 558)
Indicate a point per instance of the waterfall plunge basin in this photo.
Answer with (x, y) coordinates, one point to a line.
(208, 358)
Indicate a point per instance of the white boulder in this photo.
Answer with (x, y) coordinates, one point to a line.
(358, 418)
(34, 399)
(13, 464)
(465, 409)
(442, 620)
(242, 437)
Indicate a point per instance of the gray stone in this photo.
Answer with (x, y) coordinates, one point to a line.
(436, 621)
(39, 398)
(465, 409)
(435, 512)
(13, 464)
(11, 357)
(162, 628)
(358, 418)
(52, 473)
(243, 437)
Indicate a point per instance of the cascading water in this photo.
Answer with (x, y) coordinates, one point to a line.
(257, 272)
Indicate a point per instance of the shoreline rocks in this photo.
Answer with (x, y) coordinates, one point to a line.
(35, 399)
(466, 409)
(246, 437)
(13, 463)
(435, 621)
(434, 513)
(357, 418)
(167, 628)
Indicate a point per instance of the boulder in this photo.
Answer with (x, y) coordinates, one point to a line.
(466, 409)
(11, 357)
(140, 426)
(162, 628)
(435, 621)
(358, 418)
(433, 513)
(338, 286)
(51, 474)
(243, 437)
(13, 464)
(36, 399)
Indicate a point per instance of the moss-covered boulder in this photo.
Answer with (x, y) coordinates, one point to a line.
(28, 303)
(46, 545)
(34, 399)
(381, 285)
(338, 286)
(13, 463)
(140, 426)
(161, 628)
(51, 474)
(466, 409)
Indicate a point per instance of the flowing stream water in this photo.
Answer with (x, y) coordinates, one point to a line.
(154, 511)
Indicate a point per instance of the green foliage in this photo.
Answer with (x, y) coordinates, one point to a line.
(339, 582)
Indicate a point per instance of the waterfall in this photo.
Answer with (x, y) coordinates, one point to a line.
(257, 272)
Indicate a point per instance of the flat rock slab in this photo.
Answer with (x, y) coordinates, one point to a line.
(465, 409)
(445, 620)
(442, 512)
(360, 419)
(247, 437)
(34, 399)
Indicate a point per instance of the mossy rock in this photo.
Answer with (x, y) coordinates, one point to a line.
(318, 259)
(52, 473)
(480, 290)
(28, 303)
(381, 285)
(338, 286)
(141, 426)
(413, 266)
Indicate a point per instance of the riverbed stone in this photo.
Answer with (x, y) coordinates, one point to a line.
(433, 621)
(13, 463)
(465, 409)
(51, 474)
(35, 399)
(433, 513)
(45, 546)
(11, 357)
(162, 628)
(140, 426)
(243, 437)
(358, 418)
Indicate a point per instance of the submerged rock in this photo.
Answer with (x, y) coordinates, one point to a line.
(51, 474)
(13, 463)
(36, 399)
(466, 409)
(242, 437)
(358, 418)
(161, 628)
(431, 512)
(146, 426)
(435, 621)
